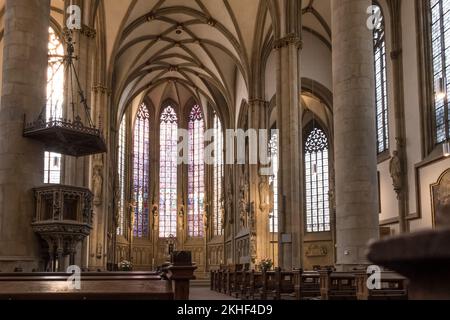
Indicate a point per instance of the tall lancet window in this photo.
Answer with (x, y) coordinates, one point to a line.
(440, 38)
(273, 148)
(121, 152)
(196, 173)
(381, 98)
(55, 99)
(317, 181)
(141, 172)
(218, 177)
(168, 173)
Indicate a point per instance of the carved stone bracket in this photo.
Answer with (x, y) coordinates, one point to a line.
(290, 39)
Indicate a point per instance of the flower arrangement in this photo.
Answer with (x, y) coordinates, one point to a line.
(265, 264)
(125, 265)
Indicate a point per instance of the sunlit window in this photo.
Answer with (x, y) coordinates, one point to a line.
(122, 176)
(141, 172)
(317, 181)
(168, 173)
(218, 176)
(196, 173)
(381, 98)
(273, 148)
(440, 38)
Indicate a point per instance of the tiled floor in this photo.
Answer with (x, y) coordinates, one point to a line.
(204, 293)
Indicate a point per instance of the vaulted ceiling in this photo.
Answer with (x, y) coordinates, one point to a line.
(197, 48)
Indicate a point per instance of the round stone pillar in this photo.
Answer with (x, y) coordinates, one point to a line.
(357, 210)
(21, 160)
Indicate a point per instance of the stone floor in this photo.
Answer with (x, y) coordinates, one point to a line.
(204, 293)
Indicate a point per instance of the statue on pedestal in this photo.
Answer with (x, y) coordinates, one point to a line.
(97, 179)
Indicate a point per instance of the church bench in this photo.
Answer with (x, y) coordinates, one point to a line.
(284, 285)
(172, 283)
(393, 287)
(306, 284)
(337, 285)
(235, 283)
(244, 285)
(255, 283)
(268, 286)
(111, 287)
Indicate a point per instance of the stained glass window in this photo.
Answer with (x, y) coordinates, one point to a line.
(196, 173)
(317, 181)
(440, 38)
(141, 172)
(55, 98)
(381, 98)
(168, 173)
(273, 148)
(122, 176)
(218, 176)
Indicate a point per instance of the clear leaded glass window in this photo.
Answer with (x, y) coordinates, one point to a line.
(55, 99)
(218, 176)
(273, 147)
(141, 172)
(381, 98)
(440, 38)
(196, 173)
(168, 173)
(122, 176)
(317, 181)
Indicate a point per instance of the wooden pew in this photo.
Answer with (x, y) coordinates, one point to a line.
(255, 284)
(393, 287)
(306, 284)
(284, 285)
(337, 285)
(93, 287)
(268, 285)
(244, 285)
(172, 284)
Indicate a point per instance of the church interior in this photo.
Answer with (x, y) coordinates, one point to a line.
(315, 137)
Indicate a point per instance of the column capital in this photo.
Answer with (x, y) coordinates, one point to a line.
(254, 101)
(100, 88)
(290, 39)
(85, 30)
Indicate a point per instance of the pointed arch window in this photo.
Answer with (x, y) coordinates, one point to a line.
(196, 172)
(440, 39)
(273, 148)
(218, 177)
(317, 181)
(55, 99)
(168, 173)
(141, 172)
(381, 97)
(122, 176)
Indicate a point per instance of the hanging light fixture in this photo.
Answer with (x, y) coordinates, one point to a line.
(440, 88)
(68, 135)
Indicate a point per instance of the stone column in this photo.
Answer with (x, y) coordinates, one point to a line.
(399, 106)
(357, 219)
(21, 160)
(259, 183)
(290, 158)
